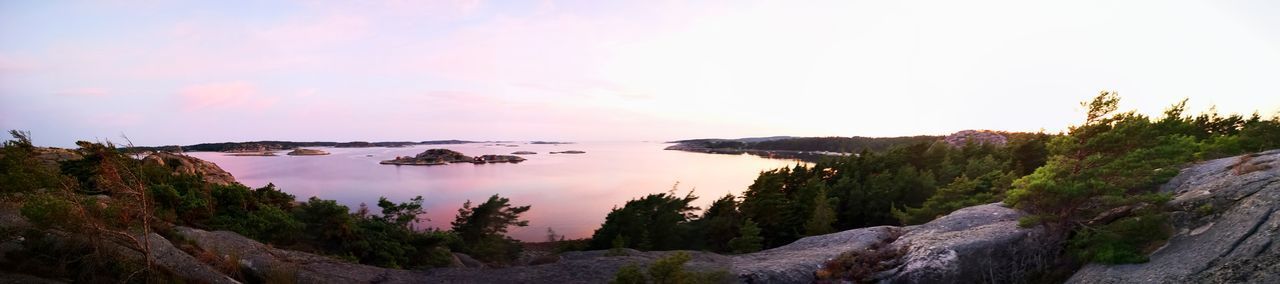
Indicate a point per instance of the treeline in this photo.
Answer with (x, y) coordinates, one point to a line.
(840, 144)
(824, 144)
(1093, 186)
(286, 145)
(110, 197)
(905, 184)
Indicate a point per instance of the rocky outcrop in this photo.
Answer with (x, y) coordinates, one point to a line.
(976, 244)
(445, 156)
(569, 152)
(980, 244)
(173, 260)
(796, 262)
(497, 159)
(963, 137)
(524, 153)
(431, 157)
(183, 164)
(1226, 215)
(51, 156)
(263, 262)
(307, 152)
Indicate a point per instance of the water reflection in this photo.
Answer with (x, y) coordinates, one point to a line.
(570, 193)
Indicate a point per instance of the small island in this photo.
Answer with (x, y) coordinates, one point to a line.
(524, 153)
(569, 152)
(434, 157)
(252, 154)
(307, 152)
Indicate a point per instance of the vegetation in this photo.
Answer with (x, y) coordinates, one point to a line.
(108, 198)
(1094, 185)
(1099, 186)
(668, 270)
(483, 228)
(827, 144)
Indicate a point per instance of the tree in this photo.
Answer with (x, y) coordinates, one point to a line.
(1114, 161)
(748, 240)
(658, 221)
(823, 216)
(403, 214)
(483, 228)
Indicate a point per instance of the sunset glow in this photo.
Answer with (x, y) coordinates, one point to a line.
(181, 73)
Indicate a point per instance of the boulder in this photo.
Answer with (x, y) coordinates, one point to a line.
(183, 164)
(1226, 216)
(971, 245)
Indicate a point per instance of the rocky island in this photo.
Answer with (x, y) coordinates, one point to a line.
(307, 152)
(569, 152)
(524, 153)
(434, 157)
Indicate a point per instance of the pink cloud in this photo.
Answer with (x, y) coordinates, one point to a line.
(224, 95)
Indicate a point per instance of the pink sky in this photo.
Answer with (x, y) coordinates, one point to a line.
(183, 73)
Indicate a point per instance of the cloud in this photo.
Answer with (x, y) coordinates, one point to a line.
(229, 95)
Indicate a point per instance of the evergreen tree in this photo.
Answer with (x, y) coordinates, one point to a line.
(823, 216)
(748, 240)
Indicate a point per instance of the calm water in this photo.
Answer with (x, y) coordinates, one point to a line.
(570, 193)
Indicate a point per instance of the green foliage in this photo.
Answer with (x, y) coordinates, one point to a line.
(1116, 161)
(629, 274)
(823, 216)
(47, 210)
(1127, 240)
(656, 222)
(669, 270)
(482, 229)
(748, 239)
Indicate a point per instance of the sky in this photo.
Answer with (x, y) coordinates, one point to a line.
(185, 72)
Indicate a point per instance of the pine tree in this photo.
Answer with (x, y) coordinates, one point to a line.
(823, 215)
(748, 240)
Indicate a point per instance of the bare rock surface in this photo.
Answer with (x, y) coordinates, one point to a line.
(1226, 218)
(796, 262)
(183, 164)
(262, 261)
(975, 244)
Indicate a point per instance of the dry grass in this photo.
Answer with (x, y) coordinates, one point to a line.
(859, 266)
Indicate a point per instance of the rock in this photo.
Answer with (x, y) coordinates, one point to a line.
(569, 152)
(1226, 215)
(524, 153)
(971, 245)
(468, 262)
(307, 152)
(50, 156)
(262, 262)
(963, 137)
(575, 267)
(976, 244)
(431, 157)
(796, 262)
(497, 159)
(183, 164)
